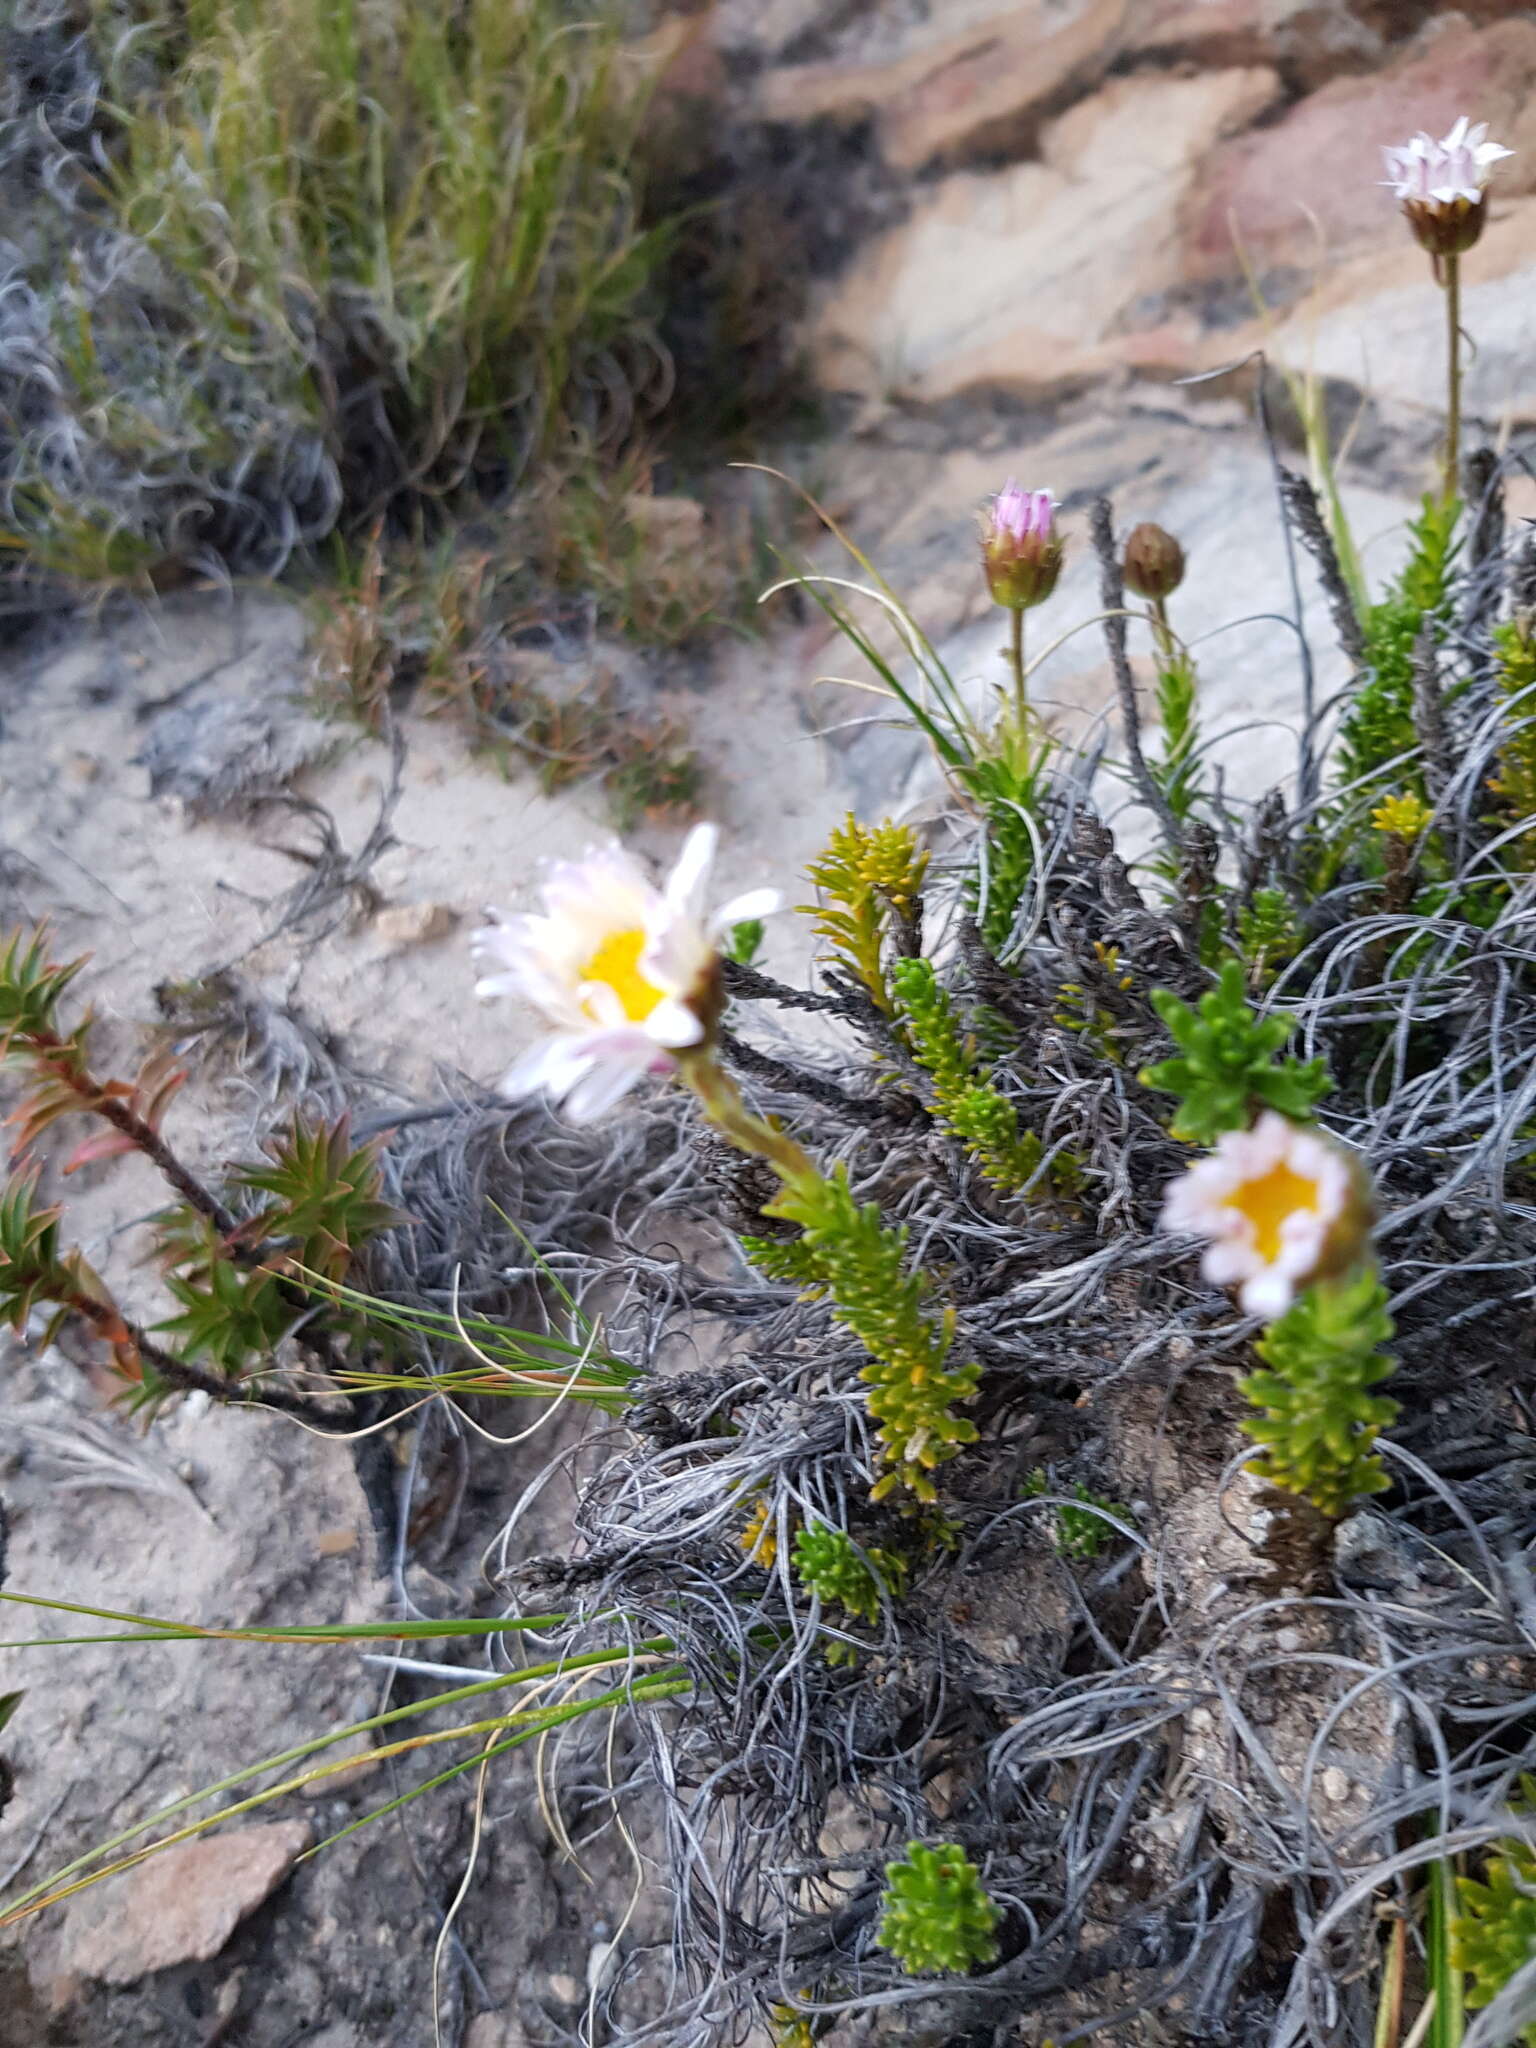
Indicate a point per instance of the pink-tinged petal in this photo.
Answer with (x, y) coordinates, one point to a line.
(491, 985)
(1425, 172)
(686, 885)
(1225, 1264)
(548, 960)
(753, 904)
(553, 1064)
(601, 1088)
(601, 1003)
(1267, 1294)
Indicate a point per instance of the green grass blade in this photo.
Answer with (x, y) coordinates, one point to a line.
(151, 1629)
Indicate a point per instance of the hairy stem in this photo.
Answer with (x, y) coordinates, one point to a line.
(155, 1149)
(115, 1329)
(1451, 283)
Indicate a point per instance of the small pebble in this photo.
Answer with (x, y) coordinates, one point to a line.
(405, 925)
(1335, 1785)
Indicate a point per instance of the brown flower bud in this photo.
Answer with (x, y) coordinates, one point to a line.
(1154, 561)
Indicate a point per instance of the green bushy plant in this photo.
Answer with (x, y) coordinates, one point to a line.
(1225, 1069)
(830, 1564)
(1493, 1930)
(1318, 1420)
(1079, 1528)
(871, 877)
(1378, 724)
(936, 1916)
(339, 254)
(860, 1264)
(968, 1104)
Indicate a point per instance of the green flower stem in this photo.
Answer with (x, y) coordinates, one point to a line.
(1016, 663)
(720, 1099)
(1450, 279)
(1162, 632)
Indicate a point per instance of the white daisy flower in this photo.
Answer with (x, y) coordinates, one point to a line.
(1440, 173)
(623, 971)
(1279, 1205)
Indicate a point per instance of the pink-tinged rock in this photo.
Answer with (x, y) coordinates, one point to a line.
(974, 83)
(179, 1907)
(1031, 279)
(967, 97)
(1315, 40)
(1322, 162)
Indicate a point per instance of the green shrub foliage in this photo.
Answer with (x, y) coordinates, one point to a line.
(1225, 1070)
(1318, 1421)
(936, 1916)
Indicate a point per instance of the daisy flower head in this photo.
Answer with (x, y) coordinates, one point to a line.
(1020, 548)
(626, 974)
(1279, 1206)
(1443, 185)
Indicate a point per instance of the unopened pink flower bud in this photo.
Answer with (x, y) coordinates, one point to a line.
(1020, 548)
(1154, 561)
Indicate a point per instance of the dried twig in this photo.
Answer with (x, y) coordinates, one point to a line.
(1306, 516)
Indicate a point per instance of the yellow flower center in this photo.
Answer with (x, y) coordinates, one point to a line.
(617, 962)
(1268, 1201)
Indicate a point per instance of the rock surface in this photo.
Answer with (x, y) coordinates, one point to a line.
(1310, 182)
(1031, 279)
(1084, 181)
(975, 95)
(180, 1907)
(1377, 325)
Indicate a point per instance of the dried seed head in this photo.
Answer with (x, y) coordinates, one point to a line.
(1154, 561)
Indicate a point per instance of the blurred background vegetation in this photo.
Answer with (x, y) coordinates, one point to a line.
(274, 275)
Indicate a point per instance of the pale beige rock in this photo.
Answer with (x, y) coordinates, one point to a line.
(180, 1907)
(1025, 279)
(495, 2030)
(403, 925)
(974, 81)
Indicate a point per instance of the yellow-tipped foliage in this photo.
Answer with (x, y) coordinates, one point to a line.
(868, 875)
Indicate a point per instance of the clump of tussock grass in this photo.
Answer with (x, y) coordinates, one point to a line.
(277, 265)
